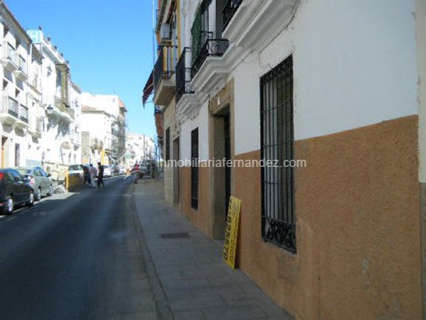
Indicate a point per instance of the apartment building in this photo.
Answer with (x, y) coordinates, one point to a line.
(162, 82)
(19, 98)
(60, 102)
(139, 147)
(103, 123)
(334, 84)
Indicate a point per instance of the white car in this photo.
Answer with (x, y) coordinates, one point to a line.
(107, 171)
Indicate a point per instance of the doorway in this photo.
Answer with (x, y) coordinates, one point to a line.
(221, 174)
(176, 180)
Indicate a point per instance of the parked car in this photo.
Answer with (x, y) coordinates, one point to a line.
(38, 180)
(76, 168)
(107, 171)
(14, 190)
(115, 170)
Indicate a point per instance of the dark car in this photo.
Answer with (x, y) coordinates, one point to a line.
(14, 190)
(39, 180)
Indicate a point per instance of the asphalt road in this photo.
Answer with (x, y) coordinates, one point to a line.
(75, 257)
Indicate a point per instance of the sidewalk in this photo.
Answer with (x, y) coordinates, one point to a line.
(192, 279)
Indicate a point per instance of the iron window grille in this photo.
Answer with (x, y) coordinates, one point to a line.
(167, 144)
(183, 74)
(194, 168)
(277, 139)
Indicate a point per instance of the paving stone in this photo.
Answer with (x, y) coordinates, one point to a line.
(246, 312)
(194, 278)
(189, 315)
(197, 303)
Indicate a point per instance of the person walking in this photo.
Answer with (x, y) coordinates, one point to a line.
(93, 173)
(100, 175)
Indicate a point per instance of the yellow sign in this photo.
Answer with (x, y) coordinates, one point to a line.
(103, 156)
(231, 232)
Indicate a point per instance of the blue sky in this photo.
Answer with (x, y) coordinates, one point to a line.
(108, 44)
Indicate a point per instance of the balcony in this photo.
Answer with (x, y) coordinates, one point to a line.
(183, 74)
(22, 71)
(60, 111)
(165, 35)
(164, 76)
(23, 113)
(36, 127)
(63, 106)
(9, 57)
(229, 10)
(252, 25)
(13, 113)
(211, 48)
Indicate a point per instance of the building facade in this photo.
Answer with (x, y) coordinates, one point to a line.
(20, 99)
(334, 85)
(164, 87)
(103, 123)
(59, 111)
(139, 148)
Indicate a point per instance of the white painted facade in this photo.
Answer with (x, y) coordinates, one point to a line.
(20, 100)
(354, 65)
(60, 139)
(139, 147)
(102, 117)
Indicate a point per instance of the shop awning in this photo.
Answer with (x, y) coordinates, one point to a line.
(147, 90)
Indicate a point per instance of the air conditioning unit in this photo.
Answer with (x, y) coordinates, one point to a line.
(165, 33)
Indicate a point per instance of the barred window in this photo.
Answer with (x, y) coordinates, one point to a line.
(194, 169)
(277, 138)
(167, 144)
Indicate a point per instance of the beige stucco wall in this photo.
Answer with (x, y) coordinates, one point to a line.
(357, 205)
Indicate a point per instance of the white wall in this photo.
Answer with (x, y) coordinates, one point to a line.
(421, 60)
(354, 65)
(201, 121)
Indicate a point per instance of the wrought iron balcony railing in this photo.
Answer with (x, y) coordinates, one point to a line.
(22, 65)
(183, 74)
(162, 70)
(229, 10)
(211, 47)
(12, 107)
(23, 113)
(11, 54)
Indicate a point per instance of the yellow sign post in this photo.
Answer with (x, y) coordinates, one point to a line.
(231, 232)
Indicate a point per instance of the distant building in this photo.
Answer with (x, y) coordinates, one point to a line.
(103, 124)
(60, 141)
(139, 147)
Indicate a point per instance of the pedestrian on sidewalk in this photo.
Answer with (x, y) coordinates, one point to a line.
(100, 175)
(93, 173)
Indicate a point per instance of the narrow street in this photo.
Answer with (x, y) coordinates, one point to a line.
(75, 258)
